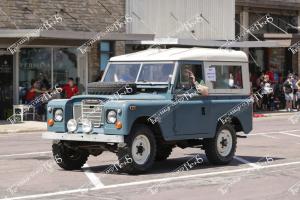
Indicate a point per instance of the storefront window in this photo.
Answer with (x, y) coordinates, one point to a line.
(64, 65)
(35, 68)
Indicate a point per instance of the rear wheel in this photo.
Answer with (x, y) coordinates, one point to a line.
(220, 150)
(67, 158)
(138, 154)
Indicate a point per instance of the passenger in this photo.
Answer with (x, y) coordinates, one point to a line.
(231, 81)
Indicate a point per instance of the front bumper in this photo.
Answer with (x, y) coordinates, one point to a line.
(84, 137)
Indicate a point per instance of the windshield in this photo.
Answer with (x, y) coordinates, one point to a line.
(149, 72)
(122, 73)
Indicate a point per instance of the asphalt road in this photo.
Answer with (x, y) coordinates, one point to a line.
(266, 166)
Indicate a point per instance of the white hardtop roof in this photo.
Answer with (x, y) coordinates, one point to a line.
(201, 54)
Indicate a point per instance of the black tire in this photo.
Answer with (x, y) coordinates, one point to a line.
(128, 162)
(67, 158)
(163, 151)
(214, 155)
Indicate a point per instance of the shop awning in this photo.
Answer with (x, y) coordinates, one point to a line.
(62, 37)
(214, 43)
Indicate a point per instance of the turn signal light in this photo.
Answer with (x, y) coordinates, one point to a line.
(50, 122)
(118, 125)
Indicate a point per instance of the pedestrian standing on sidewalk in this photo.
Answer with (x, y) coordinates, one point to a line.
(298, 94)
(295, 90)
(288, 92)
(267, 90)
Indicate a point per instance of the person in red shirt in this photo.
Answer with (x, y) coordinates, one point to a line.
(270, 73)
(33, 91)
(70, 88)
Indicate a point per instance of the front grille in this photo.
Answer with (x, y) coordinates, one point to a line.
(77, 111)
(89, 109)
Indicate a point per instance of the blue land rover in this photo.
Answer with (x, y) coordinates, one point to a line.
(151, 101)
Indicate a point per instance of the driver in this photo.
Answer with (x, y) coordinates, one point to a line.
(200, 87)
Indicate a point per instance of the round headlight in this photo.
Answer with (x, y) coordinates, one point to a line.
(72, 125)
(112, 116)
(58, 115)
(86, 125)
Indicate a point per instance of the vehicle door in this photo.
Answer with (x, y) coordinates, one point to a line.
(192, 110)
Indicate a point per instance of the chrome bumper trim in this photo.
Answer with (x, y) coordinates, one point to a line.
(84, 137)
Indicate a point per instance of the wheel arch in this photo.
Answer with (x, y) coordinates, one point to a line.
(154, 127)
(235, 122)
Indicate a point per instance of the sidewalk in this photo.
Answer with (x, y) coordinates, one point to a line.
(26, 126)
(282, 112)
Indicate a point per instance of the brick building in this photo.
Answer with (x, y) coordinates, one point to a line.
(47, 50)
(284, 30)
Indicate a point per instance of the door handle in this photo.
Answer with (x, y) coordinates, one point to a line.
(203, 110)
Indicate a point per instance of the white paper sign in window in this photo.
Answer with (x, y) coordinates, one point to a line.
(210, 74)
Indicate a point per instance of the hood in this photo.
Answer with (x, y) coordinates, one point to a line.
(138, 96)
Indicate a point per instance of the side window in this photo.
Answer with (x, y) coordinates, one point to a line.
(185, 80)
(228, 77)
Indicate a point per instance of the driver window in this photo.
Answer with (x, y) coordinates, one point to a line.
(187, 71)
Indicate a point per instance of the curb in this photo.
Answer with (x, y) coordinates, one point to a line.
(259, 115)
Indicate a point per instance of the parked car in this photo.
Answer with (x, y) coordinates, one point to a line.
(148, 102)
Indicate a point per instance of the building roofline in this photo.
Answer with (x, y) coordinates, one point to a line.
(212, 43)
(71, 35)
(282, 5)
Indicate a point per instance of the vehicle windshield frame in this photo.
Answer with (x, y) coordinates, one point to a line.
(142, 63)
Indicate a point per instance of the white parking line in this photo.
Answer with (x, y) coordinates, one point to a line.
(269, 136)
(151, 181)
(272, 132)
(290, 134)
(92, 177)
(246, 162)
(25, 154)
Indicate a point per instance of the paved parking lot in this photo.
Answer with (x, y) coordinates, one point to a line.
(266, 167)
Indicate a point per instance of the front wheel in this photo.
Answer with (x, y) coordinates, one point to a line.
(138, 154)
(67, 158)
(220, 150)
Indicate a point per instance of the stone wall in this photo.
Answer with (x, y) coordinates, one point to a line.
(78, 15)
